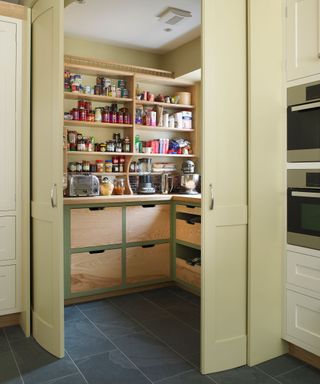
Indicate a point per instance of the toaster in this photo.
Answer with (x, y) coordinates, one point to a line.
(83, 185)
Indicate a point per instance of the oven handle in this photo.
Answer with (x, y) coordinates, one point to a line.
(305, 106)
(315, 195)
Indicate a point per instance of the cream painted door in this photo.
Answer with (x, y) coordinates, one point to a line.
(303, 38)
(47, 168)
(224, 169)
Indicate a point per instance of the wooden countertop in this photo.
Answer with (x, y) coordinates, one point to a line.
(131, 199)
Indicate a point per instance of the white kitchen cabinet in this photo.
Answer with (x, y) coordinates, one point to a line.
(7, 288)
(303, 41)
(7, 238)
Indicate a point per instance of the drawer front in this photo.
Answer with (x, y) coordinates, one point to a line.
(92, 271)
(148, 222)
(188, 274)
(188, 209)
(303, 318)
(147, 264)
(7, 287)
(90, 228)
(190, 233)
(7, 238)
(303, 270)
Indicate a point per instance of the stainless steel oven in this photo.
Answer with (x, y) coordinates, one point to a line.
(303, 208)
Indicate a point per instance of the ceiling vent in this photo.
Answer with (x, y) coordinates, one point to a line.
(173, 16)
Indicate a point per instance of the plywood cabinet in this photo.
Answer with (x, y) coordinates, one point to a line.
(188, 231)
(148, 222)
(96, 226)
(188, 274)
(147, 263)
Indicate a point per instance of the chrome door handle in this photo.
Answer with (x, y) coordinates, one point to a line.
(212, 198)
(53, 196)
(315, 195)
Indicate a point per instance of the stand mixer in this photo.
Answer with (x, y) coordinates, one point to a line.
(189, 179)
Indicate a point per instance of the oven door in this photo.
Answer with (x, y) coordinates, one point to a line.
(303, 133)
(303, 217)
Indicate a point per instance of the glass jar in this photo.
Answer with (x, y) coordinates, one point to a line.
(119, 186)
(72, 166)
(98, 115)
(108, 166)
(93, 167)
(100, 166)
(106, 187)
(86, 166)
(126, 144)
(115, 164)
(110, 146)
(79, 166)
(103, 147)
(119, 147)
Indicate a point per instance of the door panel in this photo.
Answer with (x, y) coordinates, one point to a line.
(47, 168)
(8, 69)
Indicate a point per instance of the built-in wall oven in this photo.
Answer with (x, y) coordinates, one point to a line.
(303, 208)
(303, 125)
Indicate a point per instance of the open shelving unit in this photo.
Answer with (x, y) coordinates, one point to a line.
(157, 81)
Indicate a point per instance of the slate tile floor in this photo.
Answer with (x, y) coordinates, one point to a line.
(151, 337)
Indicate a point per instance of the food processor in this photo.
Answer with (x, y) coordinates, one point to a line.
(145, 186)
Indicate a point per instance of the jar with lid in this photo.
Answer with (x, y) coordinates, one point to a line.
(119, 186)
(72, 166)
(103, 147)
(93, 167)
(81, 145)
(108, 166)
(100, 166)
(119, 147)
(126, 144)
(75, 114)
(79, 166)
(106, 186)
(110, 146)
(98, 115)
(115, 164)
(120, 117)
(105, 116)
(82, 114)
(86, 166)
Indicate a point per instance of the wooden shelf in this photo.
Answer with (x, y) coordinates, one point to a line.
(88, 124)
(164, 105)
(161, 155)
(99, 173)
(101, 99)
(86, 153)
(151, 128)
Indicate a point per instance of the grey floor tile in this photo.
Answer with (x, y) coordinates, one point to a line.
(177, 335)
(186, 295)
(188, 313)
(303, 375)
(38, 366)
(9, 373)
(138, 307)
(71, 379)
(155, 359)
(82, 339)
(4, 345)
(14, 333)
(112, 322)
(242, 375)
(111, 367)
(280, 365)
(193, 377)
(92, 304)
(72, 313)
(194, 359)
(164, 297)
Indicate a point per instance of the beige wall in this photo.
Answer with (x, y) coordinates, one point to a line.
(86, 48)
(184, 59)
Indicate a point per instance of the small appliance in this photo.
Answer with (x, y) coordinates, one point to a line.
(188, 167)
(166, 183)
(83, 185)
(189, 179)
(145, 186)
(303, 208)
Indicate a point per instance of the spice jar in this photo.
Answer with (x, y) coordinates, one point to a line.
(86, 166)
(72, 166)
(82, 114)
(119, 186)
(75, 114)
(98, 115)
(106, 187)
(119, 147)
(110, 146)
(115, 164)
(105, 116)
(100, 166)
(103, 147)
(126, 144)
(121, 163)
(93, 167)
(108, 166)
(79, 166)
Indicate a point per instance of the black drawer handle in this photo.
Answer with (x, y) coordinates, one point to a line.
(190, 206)
(96, 208)
(149, 206)
(148, 246)
(95, 252)
(190, 222)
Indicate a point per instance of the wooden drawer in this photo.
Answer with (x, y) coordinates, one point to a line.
(148, 263)
(187, 273)
(7, 287)
(188, 209)
(303, 319)
(7, 238)
(190, 233)
(91, 271)
(148, 222)
(90, 228)
(303, 270)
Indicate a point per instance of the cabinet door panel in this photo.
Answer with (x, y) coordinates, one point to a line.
(7, 238)
(91, 271)
(7, 287)
(147, 264)
(302, 38)
(8, 115)
(90, 228)
(187, 273)
(147, 222)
